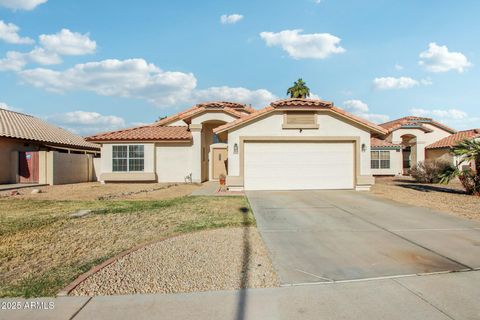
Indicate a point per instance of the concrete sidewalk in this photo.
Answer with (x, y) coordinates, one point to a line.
(441, 296)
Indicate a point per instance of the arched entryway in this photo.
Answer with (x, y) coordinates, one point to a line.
(409, 152)
(208, 158)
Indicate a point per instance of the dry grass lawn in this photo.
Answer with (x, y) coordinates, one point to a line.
(114, 191)
(446, 198)
(43, 248)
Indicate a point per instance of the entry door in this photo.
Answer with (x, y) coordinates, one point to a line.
(219, 163)
(28, 167)
(299, 165)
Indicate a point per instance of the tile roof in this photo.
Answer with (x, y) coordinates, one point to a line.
(22, 126)
(454, 139)
(232, 108)
(414, 122)
(146, 133)
(380, 143)
(303, 104)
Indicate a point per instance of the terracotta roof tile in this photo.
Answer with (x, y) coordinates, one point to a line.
(232, 108)
(22, 126)
(378, 143)
(304, 104)
(412, 121)
(454, 139)
(145, 133)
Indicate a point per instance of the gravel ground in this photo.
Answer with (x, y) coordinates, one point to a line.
(222, 259)
(446, 198)
(115, 191)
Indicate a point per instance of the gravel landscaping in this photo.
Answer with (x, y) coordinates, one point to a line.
(449, 198)
(222, 259)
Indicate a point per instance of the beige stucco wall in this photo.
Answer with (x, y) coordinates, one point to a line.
(329, 126)
(440, 155)
(213, 116)
(180, 123)
(70, 168)
(395, 164)
(174, 162)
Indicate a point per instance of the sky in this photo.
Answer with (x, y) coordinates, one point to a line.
(92, 66)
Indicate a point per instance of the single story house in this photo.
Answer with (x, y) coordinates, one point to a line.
(291, 144)
(407, 142)
(33, 151)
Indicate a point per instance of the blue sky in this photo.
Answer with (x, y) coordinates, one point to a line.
(99, 65)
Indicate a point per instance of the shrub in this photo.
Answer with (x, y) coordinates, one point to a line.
(429, 171)
(470, 181)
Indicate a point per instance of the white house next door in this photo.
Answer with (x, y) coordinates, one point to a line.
(298, 165)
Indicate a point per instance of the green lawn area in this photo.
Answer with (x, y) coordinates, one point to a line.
(43, 249)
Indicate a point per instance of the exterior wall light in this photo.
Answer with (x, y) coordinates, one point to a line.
(235, 148)
(364, 147)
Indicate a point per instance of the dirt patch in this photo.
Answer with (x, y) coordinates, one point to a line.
(449, 198)
(109, 191)
(224, 259)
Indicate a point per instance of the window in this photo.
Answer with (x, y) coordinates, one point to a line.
(300, 120)
(380, 159)
(127, 158)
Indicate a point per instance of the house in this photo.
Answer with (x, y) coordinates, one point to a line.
(291, 144)
(33, 151)
(407, 142)
(441, 149)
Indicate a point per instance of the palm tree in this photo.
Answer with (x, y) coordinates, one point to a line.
(299, 90)
(469, 151)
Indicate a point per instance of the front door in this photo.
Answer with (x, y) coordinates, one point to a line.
(28, 167)
(219, 163)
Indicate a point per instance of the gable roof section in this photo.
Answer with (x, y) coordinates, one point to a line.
(300, 104)
(145, 133)
(412, 122)
(376, 143)
(232, 108)
(26, 127)
(454, 139)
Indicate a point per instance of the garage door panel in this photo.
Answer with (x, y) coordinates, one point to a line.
(298, 166)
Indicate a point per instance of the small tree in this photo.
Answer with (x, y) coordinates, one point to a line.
(469, 151)
(299, 90)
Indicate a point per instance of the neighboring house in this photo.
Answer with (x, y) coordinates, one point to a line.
(291, 144)
(405, 144)
(440, 150)
(33, 151)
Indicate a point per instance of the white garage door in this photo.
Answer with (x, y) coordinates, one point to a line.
(298, 165)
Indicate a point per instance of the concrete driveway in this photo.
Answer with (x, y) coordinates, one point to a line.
(325, 236)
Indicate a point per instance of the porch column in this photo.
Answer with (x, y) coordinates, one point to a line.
(196, 130)
(420, 146)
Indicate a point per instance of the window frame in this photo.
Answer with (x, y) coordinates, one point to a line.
(379, 162)
(126, 156)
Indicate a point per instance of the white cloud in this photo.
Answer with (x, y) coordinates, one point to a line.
(135, 78)
(230, 18)
(361, 109)
(389, 83)
(440, 59)
(44, 57)
(258, 98)
(453, 114)
(302, 46)
(9, 33)
(84, 122)
(68, 43)
(13, 61)
(399, 67)
(21, 4)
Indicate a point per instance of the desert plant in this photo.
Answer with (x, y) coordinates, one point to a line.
(429, 171)
(299, 90)
(469, 151)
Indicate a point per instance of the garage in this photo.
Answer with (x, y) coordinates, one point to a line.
(294, 165)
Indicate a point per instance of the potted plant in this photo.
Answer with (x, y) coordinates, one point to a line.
(222, 178)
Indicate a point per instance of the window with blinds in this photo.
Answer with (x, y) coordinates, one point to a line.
(380, 159)
(300, 120)
(127, 158)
